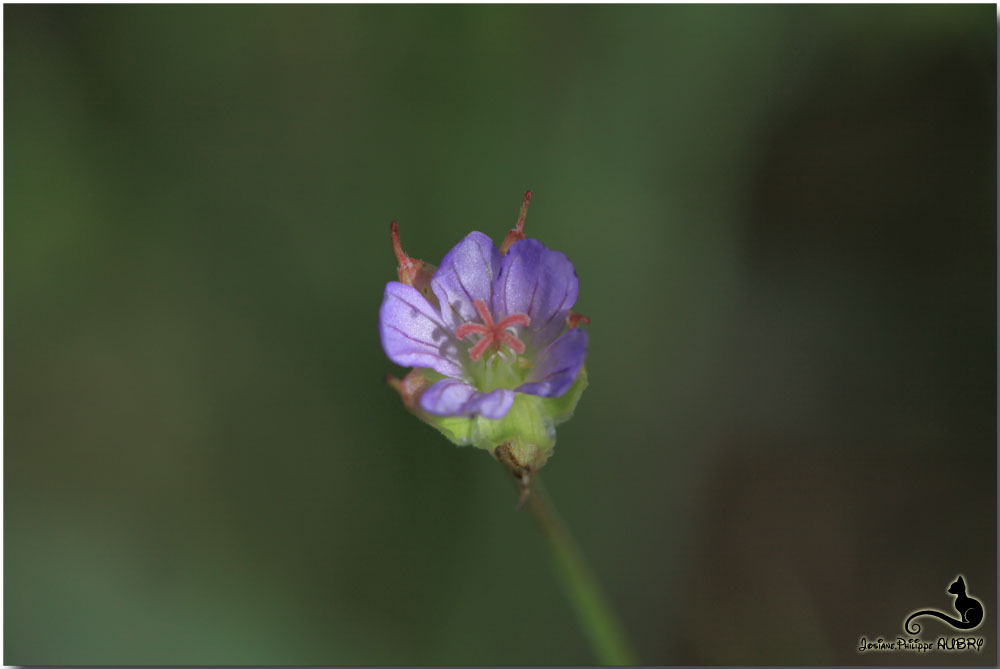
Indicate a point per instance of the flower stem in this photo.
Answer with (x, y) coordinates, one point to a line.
(593, 611)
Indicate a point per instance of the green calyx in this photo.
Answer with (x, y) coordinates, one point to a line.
(524, 438)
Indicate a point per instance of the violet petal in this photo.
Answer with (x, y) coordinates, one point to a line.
(413, 334)
(466, 274)
(557, 366)
(537, 281)
(449, 397)
(494, 404)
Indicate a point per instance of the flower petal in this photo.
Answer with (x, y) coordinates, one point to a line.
(537, 281)
(449, 397)
(557, 366)
(446, 397)
(413, 334)
(466, 274)
(494, 404)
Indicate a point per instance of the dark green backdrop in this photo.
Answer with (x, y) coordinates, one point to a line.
(783, 220)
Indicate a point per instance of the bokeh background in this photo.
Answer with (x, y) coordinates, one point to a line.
(783, 220)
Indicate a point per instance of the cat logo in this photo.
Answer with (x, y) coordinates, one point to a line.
(970, 610)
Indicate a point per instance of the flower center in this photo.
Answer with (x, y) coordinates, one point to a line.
(492, 333)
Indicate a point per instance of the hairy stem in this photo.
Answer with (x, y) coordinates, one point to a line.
(593, 611)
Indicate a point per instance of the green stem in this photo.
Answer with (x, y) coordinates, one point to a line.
(594, 612)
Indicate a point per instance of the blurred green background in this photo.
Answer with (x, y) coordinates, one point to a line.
(783, 220)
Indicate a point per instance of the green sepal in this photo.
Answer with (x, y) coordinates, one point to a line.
(530, 423)
(561, 408)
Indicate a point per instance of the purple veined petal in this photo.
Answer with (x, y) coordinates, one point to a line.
(412, 332)
(446, 397)
(449, 397)
(466, 273)
(494, 404)
(557, 366)
(539, 282)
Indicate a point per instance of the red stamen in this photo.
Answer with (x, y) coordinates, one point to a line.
(463, 331)
(484, 313)
(516, 344)
(514, 319)
(492, 333)
(477, 351)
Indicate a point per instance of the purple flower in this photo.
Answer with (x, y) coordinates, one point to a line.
(492, 326)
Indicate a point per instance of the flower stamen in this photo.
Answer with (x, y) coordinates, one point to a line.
(492, 333)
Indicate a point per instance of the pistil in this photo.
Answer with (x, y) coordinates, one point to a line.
(492, 333)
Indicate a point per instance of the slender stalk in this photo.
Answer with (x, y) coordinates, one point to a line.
(593, 611)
